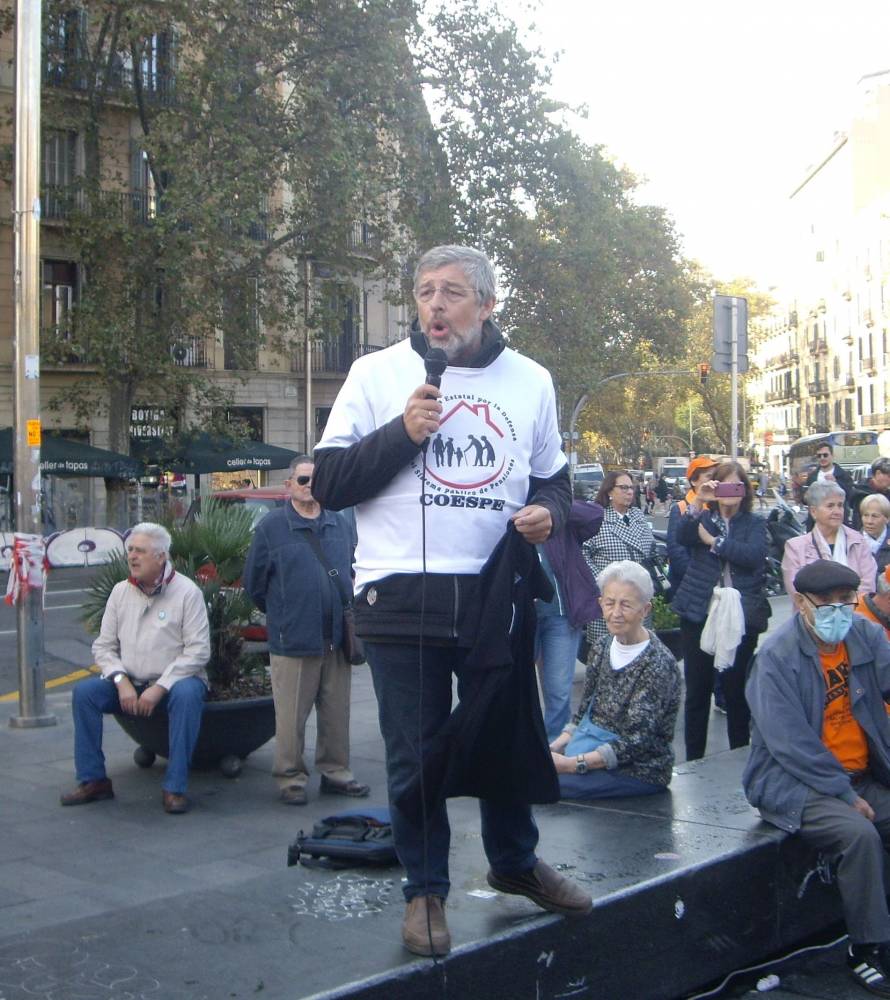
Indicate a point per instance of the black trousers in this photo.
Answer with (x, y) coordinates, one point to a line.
(698, 668)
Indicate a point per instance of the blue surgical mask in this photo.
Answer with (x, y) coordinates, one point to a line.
(832, 623)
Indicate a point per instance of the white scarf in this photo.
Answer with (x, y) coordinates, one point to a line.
(875, 543)
(839, 552)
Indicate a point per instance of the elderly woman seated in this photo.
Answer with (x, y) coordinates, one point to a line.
(829, 539)
(620, 741)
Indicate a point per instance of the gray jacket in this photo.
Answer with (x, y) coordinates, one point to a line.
(786, 692)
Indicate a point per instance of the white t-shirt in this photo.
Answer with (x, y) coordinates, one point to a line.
(498, 428)
(620, 655)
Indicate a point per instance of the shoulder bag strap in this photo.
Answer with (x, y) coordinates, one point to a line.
(314, 543)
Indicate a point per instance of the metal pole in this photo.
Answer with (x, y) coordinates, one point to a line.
(309, 421)
(26, 363)
(734, 384)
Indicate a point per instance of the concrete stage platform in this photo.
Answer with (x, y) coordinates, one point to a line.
(687, 887)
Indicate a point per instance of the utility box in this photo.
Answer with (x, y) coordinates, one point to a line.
(722, 359)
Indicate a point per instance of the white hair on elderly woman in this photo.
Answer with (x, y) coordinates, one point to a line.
(876, 500)
(160, 537)
(819, 492)
(627, 571)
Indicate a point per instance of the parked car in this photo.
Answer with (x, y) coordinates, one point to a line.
(258, 501)
(587, 480)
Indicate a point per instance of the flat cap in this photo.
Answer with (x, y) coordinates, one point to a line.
(825, 575)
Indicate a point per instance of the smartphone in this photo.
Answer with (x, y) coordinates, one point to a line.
(729, 490)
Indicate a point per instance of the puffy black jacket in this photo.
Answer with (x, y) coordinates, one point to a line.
(745, 552)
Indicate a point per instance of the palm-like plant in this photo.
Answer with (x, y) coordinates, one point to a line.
(211, 550)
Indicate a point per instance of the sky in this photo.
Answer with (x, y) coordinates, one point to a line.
(719, 106)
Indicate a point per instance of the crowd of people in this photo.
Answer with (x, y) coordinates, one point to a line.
(489, 571)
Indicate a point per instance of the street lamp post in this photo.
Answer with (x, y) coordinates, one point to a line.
(26, 370)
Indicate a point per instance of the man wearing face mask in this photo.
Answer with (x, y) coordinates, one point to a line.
(820, 750)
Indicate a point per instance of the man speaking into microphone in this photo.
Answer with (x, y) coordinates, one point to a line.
(436, 474)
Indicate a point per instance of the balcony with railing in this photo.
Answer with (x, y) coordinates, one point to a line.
(818, 345)
(63, 71)
(877, 420)
(869, 365)
(818, 387)
(330, 357)
(59, 204)
(192, 352)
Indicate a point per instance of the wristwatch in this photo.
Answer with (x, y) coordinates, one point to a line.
(581, 765)
(118, 677)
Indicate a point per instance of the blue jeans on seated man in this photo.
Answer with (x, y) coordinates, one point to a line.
(556, 649)
(96, 697)
(603, 784)
(509, 833)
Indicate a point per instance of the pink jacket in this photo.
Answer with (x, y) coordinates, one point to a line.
(807, 548)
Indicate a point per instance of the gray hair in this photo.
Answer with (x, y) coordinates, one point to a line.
(627, 571)
(883, 583)
(158, 534)
(475, 265)
(819, 492)
(879, 500)
(299, 460)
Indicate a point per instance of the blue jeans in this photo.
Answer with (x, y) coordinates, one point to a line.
(96, 697)
(509, 833)
(556, 647)
(602, 784)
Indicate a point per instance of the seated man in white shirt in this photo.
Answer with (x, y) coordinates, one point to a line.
(153, 646)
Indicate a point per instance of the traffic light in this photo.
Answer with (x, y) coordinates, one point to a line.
(703, 372)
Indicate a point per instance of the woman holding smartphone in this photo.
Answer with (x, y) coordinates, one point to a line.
(727, 546)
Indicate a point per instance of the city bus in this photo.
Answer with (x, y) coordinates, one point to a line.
(851, 449)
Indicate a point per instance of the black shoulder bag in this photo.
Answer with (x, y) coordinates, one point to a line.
(352, 646)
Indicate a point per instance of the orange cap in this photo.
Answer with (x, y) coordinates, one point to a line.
(699, 463)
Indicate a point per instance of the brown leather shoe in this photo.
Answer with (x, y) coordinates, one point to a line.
(424, 937)
(546, 887)
(175, 804)
(88, 791)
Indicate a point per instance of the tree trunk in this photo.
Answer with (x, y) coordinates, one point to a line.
(120, 401)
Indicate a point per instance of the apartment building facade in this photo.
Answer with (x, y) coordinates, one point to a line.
(266, 389)
(820, 361)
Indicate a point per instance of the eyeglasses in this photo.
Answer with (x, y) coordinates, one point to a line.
(451, 293)
(303, 480)
(838, 604)
(620, 486)
(824, 454)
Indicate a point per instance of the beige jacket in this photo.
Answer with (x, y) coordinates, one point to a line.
(158, 639)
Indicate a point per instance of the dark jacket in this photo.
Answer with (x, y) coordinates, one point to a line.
(493, 745)
(860, 492)
(786, 692)
(285, 579)
(743, 549)
(678, 555)
(574, 578)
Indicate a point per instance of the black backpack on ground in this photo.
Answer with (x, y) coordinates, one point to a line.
(346, 840)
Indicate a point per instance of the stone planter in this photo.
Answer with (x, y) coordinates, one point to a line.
(230, 731)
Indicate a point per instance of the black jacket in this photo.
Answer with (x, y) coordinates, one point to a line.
(745, 552)
(499, 714)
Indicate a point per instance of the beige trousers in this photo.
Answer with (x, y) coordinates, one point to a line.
(298, 684)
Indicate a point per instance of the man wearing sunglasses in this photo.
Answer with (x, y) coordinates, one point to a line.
(829, 471)
(819, 764)
(298, 571)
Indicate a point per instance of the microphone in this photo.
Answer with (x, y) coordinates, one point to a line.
(435, 362)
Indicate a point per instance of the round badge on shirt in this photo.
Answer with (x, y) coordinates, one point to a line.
(162, 615)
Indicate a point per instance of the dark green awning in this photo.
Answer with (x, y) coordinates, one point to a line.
(202, 453)
(60, 456)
